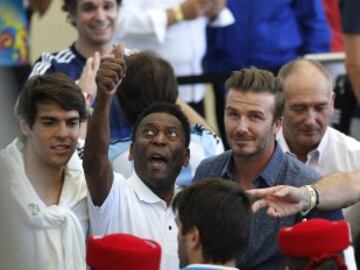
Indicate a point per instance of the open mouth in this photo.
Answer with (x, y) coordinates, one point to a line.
(61, 148)
(157, 162)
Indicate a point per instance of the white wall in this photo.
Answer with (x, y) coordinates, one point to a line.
(51, 32)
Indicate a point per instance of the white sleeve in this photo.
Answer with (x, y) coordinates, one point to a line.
(42, 65)
(102, 217)
(224, 18)
(133, 19)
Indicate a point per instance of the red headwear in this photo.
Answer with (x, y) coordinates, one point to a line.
(317, 239)
(122, 252)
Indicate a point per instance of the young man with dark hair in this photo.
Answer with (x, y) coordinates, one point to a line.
(95, 22)
(44, 175)
(140, 204)
(253, 116)
(150, 78)
(207, 213)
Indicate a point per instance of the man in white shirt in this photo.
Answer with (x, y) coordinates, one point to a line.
(214, 224)
(44, 177)
(139, 205)
(176, 30)
(309, 104)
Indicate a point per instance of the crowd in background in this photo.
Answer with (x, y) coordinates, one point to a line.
(100, 140)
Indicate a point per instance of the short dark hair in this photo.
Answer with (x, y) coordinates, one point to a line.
(165, 107)
(70, 5)
(55, 87)
(148, 78)
(220, 210)
(257, 81)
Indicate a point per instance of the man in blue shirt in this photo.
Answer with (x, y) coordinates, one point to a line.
(253, 115)
(95, 24)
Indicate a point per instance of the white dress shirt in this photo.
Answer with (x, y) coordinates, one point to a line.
(131, 207)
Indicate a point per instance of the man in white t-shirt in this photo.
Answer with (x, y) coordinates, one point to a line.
(43, 177)
(139, 205)
(309, 104)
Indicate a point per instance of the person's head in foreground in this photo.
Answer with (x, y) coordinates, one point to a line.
(213, 216)
(316, 244)
(122, 252)
(160, 147)
(49, 110)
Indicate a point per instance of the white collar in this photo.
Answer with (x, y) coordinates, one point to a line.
(318, 151)
(142, 191)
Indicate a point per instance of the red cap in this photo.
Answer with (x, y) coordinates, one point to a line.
(314, 237)
(122, 252)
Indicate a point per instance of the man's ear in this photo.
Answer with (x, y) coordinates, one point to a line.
(186, 157)
(24, 126)
(333, 96)
(278, 124)
(194, 238)
(131, 152)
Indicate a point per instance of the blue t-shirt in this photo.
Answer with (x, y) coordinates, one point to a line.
(71, 63)
(267, 34)
(262, 252)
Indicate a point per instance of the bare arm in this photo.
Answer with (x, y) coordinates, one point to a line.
(192, 116)
(97, 167)
(135, 19)
(352, 62)
(339, 190)
(215, 8)
(281, 200)
(336, 190)
(190, 9)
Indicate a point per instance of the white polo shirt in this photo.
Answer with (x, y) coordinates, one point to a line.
(131, 207)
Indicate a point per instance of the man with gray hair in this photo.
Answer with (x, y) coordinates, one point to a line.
(309, 105)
